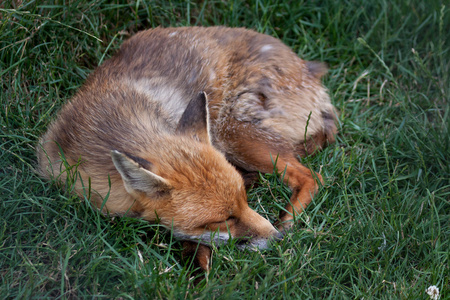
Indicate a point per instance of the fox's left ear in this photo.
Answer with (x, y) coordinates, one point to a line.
(195, 119)
(137, 178)
(317, 68)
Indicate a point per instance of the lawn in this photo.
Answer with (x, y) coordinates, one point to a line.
(378, 228)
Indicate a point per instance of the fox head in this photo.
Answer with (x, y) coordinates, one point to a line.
(191, 188)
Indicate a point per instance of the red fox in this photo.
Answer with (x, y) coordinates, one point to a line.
(156, 127)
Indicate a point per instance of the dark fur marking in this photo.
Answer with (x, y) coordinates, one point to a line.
(327, 116)
(265, 82)
(194, 117)
(317, 69)
(329, 120)
(264, 101)
(133, 214)
(140, 161)
(279, 71)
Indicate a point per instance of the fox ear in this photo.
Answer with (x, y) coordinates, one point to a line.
(317, 68)
(195, 119)
(137, 178)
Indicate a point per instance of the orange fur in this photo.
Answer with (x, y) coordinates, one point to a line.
(158, 169)
(171, 153)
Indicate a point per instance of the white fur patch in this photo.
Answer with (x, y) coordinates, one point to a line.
(157, 89)
(212, 76)
(218, 239)
(207, 238)
(266, 48)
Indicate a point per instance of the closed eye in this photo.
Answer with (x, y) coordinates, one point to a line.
(223, 225)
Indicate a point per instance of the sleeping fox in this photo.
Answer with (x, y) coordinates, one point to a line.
(163, 127)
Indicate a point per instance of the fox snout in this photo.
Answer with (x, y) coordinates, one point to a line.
(259, 243)
(264, 232)
(248, 231)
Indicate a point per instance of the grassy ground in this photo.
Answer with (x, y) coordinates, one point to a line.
(380, 226)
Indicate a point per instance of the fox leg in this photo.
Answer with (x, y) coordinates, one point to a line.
(304, 185)
(301, 180)
(202, 254)
(258, 155)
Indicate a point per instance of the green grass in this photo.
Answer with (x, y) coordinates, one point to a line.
(380, 226)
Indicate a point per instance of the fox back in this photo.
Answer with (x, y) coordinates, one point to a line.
(250, 78)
